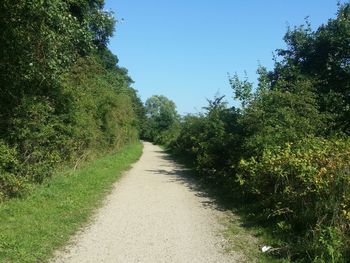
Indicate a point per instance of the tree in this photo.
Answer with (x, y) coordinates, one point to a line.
(62, 93)
(161, 114)
(322, 56)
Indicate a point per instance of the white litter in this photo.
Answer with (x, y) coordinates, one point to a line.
(265, 248)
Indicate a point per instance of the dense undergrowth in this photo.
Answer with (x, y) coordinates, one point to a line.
(63, 96)
(286, 150)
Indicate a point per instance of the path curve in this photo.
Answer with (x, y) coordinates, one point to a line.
(154, 214)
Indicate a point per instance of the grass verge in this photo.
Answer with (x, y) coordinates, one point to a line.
(32, 228)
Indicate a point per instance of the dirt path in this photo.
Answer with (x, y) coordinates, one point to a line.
(154, 214)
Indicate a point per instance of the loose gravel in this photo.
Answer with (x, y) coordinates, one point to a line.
(154, 214)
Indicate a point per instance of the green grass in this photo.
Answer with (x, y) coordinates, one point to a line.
(249, 240)
(32, 228)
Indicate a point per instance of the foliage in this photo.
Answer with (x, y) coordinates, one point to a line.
(322, 55)
(207, 138)
(286, 149)
(277, 116)
(10, 184)
(161, 118)
(63, 94)
(242, 89)
(305, 189)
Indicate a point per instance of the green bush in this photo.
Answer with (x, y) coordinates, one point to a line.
(168, 136)
(305, 189)
(278, 116)
(37, 133)
(212, 141)
(63, 96)
(11, 185)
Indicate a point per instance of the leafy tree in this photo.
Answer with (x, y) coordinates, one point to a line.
(62, 93)
(212, 141)
(161, 114)
(323, 57)
(243, 90)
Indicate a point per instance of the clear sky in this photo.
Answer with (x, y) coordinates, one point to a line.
(183, 49)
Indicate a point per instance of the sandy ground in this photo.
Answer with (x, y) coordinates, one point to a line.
(154, 214)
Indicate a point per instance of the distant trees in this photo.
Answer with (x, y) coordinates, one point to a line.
(161, 118)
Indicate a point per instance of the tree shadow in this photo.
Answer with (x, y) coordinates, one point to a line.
(185, 176)
(216, 195)
(225, 198)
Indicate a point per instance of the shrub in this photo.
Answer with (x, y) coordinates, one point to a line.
(10, 184)
(212, 141)
(305, 189)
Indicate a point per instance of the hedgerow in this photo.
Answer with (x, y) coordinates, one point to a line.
(63, 95)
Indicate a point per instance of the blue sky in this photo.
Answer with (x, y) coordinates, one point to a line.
(183, 49)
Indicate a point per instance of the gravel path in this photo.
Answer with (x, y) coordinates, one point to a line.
(154, 214)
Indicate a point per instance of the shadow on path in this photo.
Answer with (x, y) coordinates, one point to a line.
(212, 196)
(186, 177)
